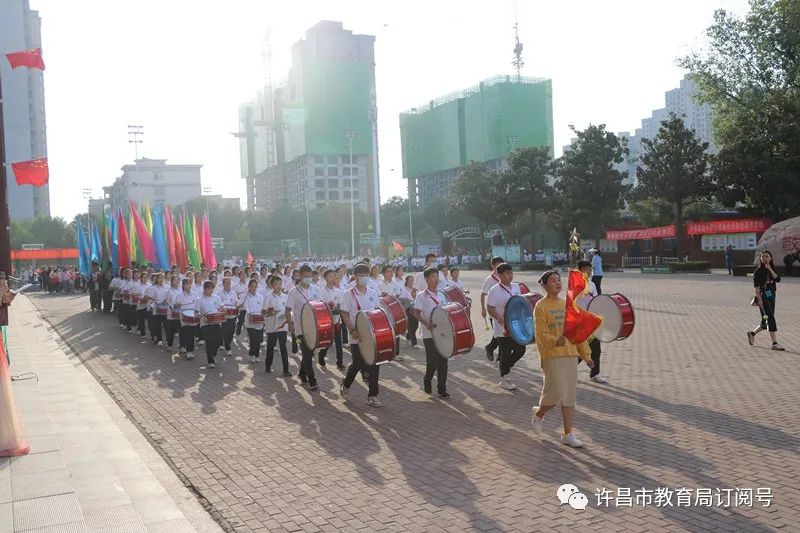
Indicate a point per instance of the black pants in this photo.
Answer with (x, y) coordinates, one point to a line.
(129, 310)
(337, 342)
(141, 320)
(594, 346)
(255, 336)
(435, 364)
(213, 335)
(119, 308)
(228, 329)
(306, 363)
(187, 338)
(768, 306)
(156, 321)
(345, 335)
(240, 321)
(107, 296)
(279, 338)
(413, 324)
(597, 280)
(94, 299)
(359, 365)
(294, 343)
(495, 342)
(510, 353)
(171, 327)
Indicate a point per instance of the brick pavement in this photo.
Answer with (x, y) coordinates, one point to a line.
(690, 404)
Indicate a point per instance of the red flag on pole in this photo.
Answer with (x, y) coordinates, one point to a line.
(26, 58)
(34, 172)
(579, 324)
(250, 259)
(173, 257)
(397, 246)
(123, 243)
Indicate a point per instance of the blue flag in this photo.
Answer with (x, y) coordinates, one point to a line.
(112, 230)
(96, 248)
(159, 241)
(83, 253)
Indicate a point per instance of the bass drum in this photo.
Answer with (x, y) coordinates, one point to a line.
(519, 317)
(375, 336)
(396, 313)
(317, 324)
(452, 330)
(618, 316)
(456, 295)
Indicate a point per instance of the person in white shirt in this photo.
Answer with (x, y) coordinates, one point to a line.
(252, 303)
(184, 301)
(423, 306)
(172, 326)
(141, 306)
(490, 281)
(597, 271)
(419, 280)
(331, 295)
(374, 279)
(116, 288)
(207, 304)
(229, 299)
(594, 344)
(298, 296)
(359, 298)
(156, 294)
(241, 287)
(509, 351)
(275, 310)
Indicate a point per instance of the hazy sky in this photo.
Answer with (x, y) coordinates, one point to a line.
(181, 68)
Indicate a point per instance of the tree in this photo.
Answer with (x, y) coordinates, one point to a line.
(750, 74)
(526, 185)
(474, 193)
(675, 168)
(590, 192)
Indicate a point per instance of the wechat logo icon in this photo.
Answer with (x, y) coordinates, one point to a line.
(570, 494)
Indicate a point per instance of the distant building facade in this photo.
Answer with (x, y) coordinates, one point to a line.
(155, 182)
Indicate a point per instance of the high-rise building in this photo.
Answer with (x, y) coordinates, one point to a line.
(23, 106)
(153, 181)
(483, 123)
(296, 137)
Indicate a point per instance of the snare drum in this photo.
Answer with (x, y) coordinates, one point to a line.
(519, 317)
(396, 313)
(160, 309)
(188, 318)
(618, 316)
(254, 321)
(135, 299)
(456, 295)
(317, 324)
(231, 312)
(375, 336)
(523, 289)
(174, 313)
(452, 329)
(126, 297)
(213, 319)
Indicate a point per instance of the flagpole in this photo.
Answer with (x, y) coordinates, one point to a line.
(5, 230)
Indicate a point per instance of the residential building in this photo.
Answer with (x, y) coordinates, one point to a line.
(222, 203)
(23, 107)
(294, 143)
(155, 182)
(483, 123)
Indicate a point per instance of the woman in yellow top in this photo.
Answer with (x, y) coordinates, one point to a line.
(558, 358)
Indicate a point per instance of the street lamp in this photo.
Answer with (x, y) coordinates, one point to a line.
(349, 136)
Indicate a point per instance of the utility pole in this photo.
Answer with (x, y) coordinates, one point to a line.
(5, 225)
(517, 61)
(349, 136)
(135, 132)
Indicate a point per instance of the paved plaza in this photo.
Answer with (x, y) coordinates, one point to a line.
(690, 405)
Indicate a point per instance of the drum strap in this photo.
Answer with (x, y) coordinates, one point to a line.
(435, 301)
(355, 297)
(504, 288)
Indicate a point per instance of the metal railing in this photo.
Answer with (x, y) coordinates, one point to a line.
(636, 261)
(670, 260)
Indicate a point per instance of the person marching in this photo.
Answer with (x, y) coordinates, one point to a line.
(490, 281)
(93, 284)
(299, 295)
(509, 350)
(331, 295)
(157, 295)
(359, 298)
(205, 305)
(274, 309)
(173, 325)
(252, 303)
(116, 286)
(229, 298)
(241, 288)
(597, 269)
(185, 301)
(106, 293)
(387, 287)
(409, 292)
(423, 306)
(141, 305)
(557, 357)
(765, 282)
(594, 342)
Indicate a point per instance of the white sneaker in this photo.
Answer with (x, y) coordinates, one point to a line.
(374, 401)
(599, 378)
(160, 344)
(343, 392)
(537, 422)
(182, 350)
(779, 347)
(258, 359)
(211, 365)
(399, 357)
(506, 384)
(189, 356)
(571, 440)
(227, 353)
(252, 359)
(201, 342)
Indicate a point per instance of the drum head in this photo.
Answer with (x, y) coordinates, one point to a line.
(385, 307)
(366, 338)
(442, 334)
(519, 320)
(308, 323)
(188, 312)
(604, 306)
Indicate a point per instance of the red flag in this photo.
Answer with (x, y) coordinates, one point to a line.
(143, 238)
(180, 249)
(250, 259)
(34, 172)
(397, 246)
(123, 243)
(579, 324)
(26, 58)
(173, 258)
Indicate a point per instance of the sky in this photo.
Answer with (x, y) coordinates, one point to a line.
(181, 68)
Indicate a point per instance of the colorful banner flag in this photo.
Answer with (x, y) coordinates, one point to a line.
(579, 324)
(26, 58)
(96, 248)
(191, 246)
(123, 242)
(147, 217)
(160, 242)
(35, 172)
(143, 238)
(83, 252)
(180, 249)
(168, 230)
(209, 255)
(250, 259)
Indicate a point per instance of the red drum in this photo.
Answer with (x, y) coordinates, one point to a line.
(188, 318)
(375, 336)
(452, 329)
(254, 321)
(126, 297)
(618, 316)
(317, 324)
(160, 309)
(456, 295)
(135, 299)
(215, 318)
(174, 313)
(231, 311)
(523, 289)
(396, 313)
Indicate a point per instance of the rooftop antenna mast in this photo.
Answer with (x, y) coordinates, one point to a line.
(517, 62)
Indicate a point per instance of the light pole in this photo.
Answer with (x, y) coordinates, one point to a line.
(349, 136)
(410, 223)
(86, 192)
(135, 132)
(206, 193)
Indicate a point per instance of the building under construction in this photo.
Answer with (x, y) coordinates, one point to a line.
(483, 123)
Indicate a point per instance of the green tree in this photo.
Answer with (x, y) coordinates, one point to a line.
(590, 193)
(474, 193)
(675, 167)
(526, 184)
(21, 234)
(750, 74)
